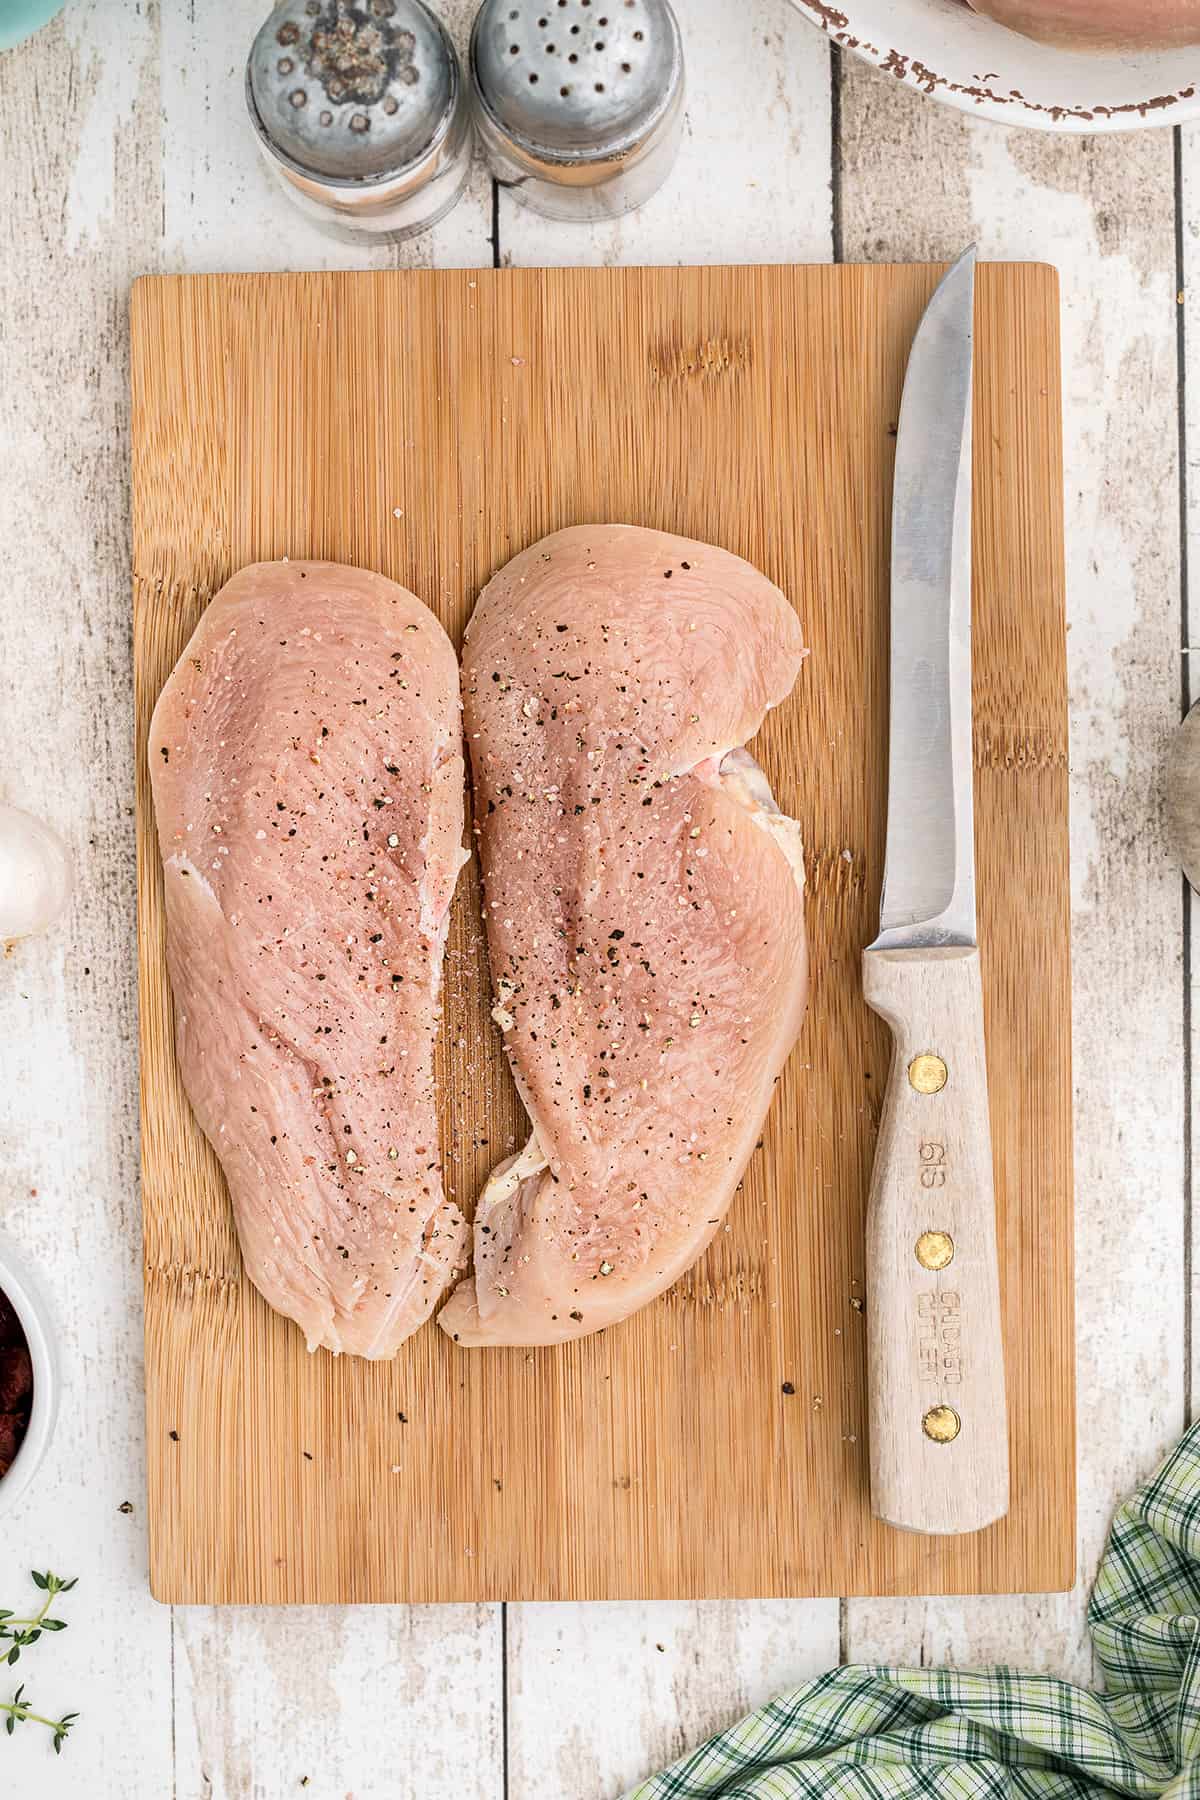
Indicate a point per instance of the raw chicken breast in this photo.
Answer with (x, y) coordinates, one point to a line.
(308, 778)
(644, 907)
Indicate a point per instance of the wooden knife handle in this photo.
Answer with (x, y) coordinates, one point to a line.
(939, 1428)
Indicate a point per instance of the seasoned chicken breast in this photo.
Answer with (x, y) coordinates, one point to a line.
(644, 909)
(308, 780)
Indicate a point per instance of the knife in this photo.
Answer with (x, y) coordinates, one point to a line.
(938, 1423)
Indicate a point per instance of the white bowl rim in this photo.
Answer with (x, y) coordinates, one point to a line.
(27, 1298)
(850, 23)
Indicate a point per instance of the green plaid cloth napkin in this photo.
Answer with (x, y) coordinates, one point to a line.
(875, 1733)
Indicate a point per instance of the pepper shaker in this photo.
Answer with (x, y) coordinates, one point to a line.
(578, 103)
(361, 113)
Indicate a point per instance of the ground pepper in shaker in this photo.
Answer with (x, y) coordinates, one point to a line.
(578, 103)
(361, 112)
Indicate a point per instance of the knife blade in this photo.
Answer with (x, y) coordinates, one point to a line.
(939, 1436)
(929, 869)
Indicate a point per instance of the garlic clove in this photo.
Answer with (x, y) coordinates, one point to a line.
(35, 874)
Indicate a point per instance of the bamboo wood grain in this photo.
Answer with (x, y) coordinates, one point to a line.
(428, 425)
(935, 1352)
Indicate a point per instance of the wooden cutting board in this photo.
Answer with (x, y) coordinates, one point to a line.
(428, 425)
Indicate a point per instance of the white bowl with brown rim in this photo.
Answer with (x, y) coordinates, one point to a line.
(943, 49)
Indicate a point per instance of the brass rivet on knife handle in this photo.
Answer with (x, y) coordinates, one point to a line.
(942, 1424)
(935, 1249)
(928, 1074)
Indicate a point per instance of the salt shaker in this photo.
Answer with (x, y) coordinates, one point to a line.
(362, 114)
(578, 103)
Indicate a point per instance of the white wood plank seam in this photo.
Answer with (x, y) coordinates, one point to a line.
(837, 253)
(1185, 697)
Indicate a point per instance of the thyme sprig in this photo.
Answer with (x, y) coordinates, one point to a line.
(20, 1712)
(20, 1634)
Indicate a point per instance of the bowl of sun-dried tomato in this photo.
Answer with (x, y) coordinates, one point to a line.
(28, 1374)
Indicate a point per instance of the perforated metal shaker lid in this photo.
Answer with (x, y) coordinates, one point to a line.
(351, 93)
(577, 79)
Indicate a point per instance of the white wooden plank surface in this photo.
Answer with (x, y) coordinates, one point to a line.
(920, 181)
(599, 1696)
(123, 149)
(68, 1093)
(382, 1703)
(1189, 684)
